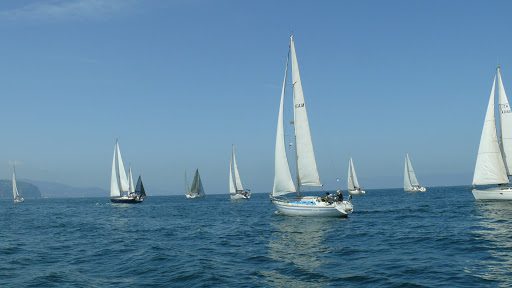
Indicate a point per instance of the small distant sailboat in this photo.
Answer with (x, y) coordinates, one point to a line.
(15, 193)
(236, 189)
(196, 190)
(494, 159)
(120, 185)
(410, 181)
(307, 173)
(139, 189)
(353, 184)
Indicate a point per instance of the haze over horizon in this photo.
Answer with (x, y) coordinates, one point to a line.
(179, 82)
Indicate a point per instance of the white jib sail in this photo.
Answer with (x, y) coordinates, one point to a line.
(15, 192)
(489, 168)
(114, 182)
(238, 181)
(232, 189)
(411, 173)
(131, 187)
(283, 182)
(505, 124)
(353, 184)
(308, 172)
(407, 180)
(121, 173)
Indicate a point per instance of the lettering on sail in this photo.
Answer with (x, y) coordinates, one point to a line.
(504, 108)
(299, 105)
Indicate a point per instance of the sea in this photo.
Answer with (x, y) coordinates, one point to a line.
(441, 238)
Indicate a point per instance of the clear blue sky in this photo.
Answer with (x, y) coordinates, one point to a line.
(179, 81)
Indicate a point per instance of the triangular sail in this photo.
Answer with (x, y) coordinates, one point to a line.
(411, 173)
(407, 180)
(15, 192)
(131, 187)
(353, 184)
(121, 173)
(306, 163)
(139, 190)
(238, 181)
(232, 189)
(114, 182)
(197, 185)
(283, 182)
(505, 124)
(490, 167)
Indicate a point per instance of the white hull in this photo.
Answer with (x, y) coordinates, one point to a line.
(193, 196)
(239, 196)
(18, 200)
(312, 206)
(356, 192)
(416, 189)
(495, 193)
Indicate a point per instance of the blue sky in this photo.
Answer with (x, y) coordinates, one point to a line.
(179, 81)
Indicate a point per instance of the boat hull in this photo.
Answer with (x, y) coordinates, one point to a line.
(19, 200)
(416, 189)
(126, 200)
(311, 207)
(356, 192)
(193, 196)
(239, 196)
(495, 193)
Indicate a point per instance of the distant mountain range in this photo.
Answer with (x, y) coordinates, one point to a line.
(58, 190)
(27, 190)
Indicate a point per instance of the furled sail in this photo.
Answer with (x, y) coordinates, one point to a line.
(307, 169)
(490, 167)
(283, 182)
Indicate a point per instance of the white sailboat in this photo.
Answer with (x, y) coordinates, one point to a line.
(236, 189)
(15, 193)
(120, 191)
(307, 172)
(494, 159)
(196, 190)
(411, 183)
(353, 185)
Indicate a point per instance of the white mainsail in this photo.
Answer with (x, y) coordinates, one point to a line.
(232, 188)
(411, 173)
(505, 124)
(15, 192)
(490, 167)
(118, 179)
(238, 181)
(353, 184)
(131, 187)
(307, 169)
(283, 182)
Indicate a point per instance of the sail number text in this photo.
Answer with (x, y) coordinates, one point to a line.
(504, 108)
(299, 105)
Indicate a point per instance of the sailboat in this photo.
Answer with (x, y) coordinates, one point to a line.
(236, 189)
(411, 183)
(120, 191)
(196, 190)
(15, 193)
(139, 189)
(306, 169)
(494, 159)
(353, 184)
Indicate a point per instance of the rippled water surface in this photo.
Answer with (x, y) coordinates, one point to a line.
(439, 238)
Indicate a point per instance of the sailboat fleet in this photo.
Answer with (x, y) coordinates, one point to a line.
(493, 164)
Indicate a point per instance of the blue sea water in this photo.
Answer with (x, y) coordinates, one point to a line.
(441, 238)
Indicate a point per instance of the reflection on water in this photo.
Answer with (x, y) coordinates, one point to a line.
(495, 229)
(298, 245)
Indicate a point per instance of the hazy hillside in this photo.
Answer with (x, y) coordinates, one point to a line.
(58, 190)
(27, 190)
